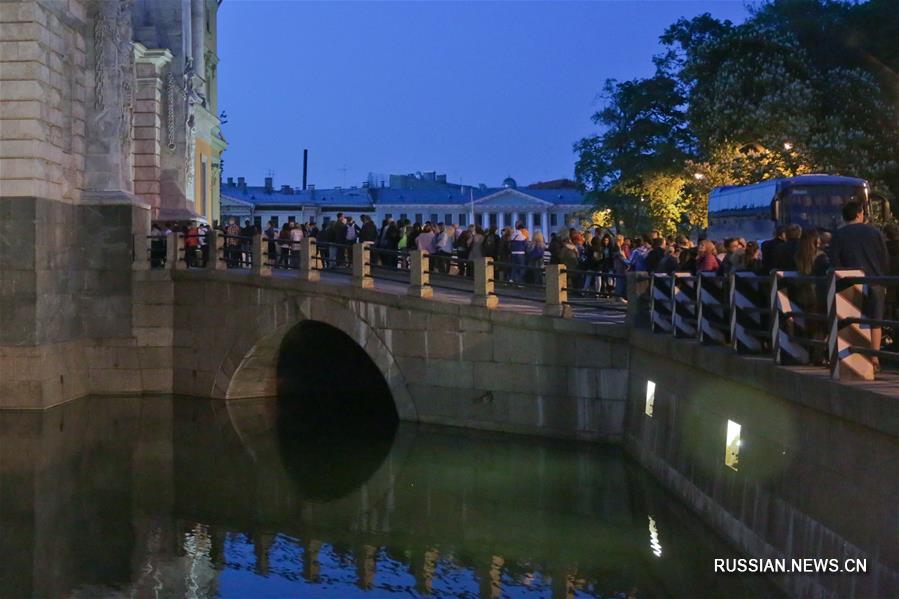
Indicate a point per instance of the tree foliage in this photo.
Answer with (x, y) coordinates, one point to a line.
(802, 86)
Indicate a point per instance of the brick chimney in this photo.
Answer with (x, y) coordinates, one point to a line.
(268, 185)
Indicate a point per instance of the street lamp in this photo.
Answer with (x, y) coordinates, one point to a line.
(788, 145)
(698, 176)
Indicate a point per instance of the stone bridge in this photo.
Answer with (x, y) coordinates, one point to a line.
(445, 361)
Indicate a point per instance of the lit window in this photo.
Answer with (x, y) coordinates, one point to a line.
(650, 397)
(732, 445)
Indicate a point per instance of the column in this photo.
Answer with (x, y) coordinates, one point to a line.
(530, 223)
(485, 220)
(500, 220)
(148, 124)
(515, 218)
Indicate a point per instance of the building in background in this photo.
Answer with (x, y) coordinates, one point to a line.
(420, 197)
(178, 135)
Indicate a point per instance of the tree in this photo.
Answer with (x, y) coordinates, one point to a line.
(801, 86)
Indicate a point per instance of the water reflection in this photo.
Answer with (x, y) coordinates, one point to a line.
(190, 498)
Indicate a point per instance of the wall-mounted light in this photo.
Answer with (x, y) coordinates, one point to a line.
(732, 445)
(788, 145)
(650, 397)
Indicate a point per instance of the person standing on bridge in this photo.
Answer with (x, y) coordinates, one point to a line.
(518, 246)
(296, 240)
(860, 245)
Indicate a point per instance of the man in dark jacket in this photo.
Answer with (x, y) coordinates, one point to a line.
(860, 245)
(368, 232)
(769, 248)
(785, 255)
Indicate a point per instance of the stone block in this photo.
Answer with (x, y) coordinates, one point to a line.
(154, 336)
(477, 346)
(406, 343)
(23, 90)
(583, 382)
(517, 346)
(444, 345)
(474, 324)
(156, 380)
(613, 383)
(496, 376)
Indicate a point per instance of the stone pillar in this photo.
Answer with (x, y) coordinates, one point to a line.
(419, 274)
(557, 291)
(362, 265)
(180, 261)
(260, 265)
(514, 219)
(141, 257)
(308, 272)
(198, 42)
(148, 128)
(500, 220)
(483, 284)
(485, 220)
(530, 224)
(216, 251)
(171, 251)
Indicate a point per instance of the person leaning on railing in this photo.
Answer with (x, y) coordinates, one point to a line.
(860, 245)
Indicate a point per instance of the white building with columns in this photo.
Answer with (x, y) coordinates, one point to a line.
(422, 197)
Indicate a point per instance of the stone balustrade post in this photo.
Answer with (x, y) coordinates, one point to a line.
(177, 251)
(557, 291)
(308, 256)
(260, 264)
(362, 265)
(216, 248)
(638, 289)
(141, 252)
(483, 284)
(419, 274)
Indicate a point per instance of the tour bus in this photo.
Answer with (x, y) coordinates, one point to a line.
(811, 201)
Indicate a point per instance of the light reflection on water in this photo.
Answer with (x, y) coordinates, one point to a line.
(110, 497)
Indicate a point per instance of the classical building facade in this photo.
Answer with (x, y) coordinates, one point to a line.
(420, 197)
(107, 121)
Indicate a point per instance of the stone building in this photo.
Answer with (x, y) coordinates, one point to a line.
(419, 197)
(107, 121)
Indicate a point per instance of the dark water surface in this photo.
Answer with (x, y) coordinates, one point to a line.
(162, 497)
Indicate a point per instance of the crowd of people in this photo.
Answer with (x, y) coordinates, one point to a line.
(597, 261)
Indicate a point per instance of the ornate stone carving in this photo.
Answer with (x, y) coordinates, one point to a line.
(170, 90)
(102, 32)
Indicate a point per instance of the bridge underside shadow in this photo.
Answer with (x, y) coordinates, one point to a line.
(333, 359)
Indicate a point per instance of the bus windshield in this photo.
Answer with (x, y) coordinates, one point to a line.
(819, 205)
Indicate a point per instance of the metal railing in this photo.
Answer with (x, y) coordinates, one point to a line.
(780, 315)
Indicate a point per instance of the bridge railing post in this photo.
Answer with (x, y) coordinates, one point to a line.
(308, 257)
(259, 260)
(177, 251)
(483, 284)
(638, 291)
(557, 291)
(362, 265)
(140, 252)
(849, 302)
(419, 274)
(216, 248)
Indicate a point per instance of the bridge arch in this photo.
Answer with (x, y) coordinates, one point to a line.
(250, 366)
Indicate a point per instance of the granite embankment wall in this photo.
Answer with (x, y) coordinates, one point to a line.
(818, 464)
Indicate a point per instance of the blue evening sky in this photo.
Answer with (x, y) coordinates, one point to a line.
(476, 90)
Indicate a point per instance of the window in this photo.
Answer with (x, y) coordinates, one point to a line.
(257, 220)
(403, 216)
(418, 218)
(492, 220)
(509, 221)
(291, 219)
(447, 219)
(388, 215)
(434, 220)
(553, 219)
(274, 219)
(732, 445)
(463, 220)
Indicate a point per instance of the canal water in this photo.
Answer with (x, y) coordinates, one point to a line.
(166, 497)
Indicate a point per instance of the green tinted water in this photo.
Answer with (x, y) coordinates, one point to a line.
(191, 498)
